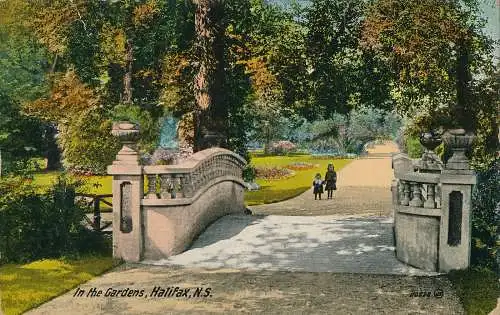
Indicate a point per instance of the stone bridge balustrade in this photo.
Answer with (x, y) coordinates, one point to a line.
(180, 202)
(185, 180)
(432, 214)
(419, 190)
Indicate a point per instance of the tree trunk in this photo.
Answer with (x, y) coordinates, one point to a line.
(462, 111)
(52, 153)
(54, 63)
(211, 113)
(127, 79)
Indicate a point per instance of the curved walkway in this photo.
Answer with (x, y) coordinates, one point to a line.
(363, 189)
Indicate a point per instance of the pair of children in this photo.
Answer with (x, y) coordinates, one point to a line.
(330, 183)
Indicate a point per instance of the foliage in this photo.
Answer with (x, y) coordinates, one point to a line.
(69, 97)
(414, 148)
(39, 225)
(342, 134)
(21, 137)
(333, 28)
(485, 93)
(149, 127)
(249, 173)
(485, 218)
(29, 285)
(477, 289)
(440, 57)
(87, 143)
(282, 147)
(370, 123)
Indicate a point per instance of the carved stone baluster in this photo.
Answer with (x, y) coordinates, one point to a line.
(401, 191)
(165, 183)
(430, 202)
(187, 188)
(437, 195)
(195, 178)
(416, 201)
(405, 200)
(173, 186)
(151, 187)
(180, 185)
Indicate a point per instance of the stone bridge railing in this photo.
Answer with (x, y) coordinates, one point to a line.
(181, 200)
(183, 182)
(432, 212)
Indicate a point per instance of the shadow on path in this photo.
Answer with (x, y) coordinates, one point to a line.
(292, 243)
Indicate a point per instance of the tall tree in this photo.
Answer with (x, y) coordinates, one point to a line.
(211, 116)
(433, 47)
(333, 28)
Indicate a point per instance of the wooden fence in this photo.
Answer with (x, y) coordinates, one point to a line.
(94, 201)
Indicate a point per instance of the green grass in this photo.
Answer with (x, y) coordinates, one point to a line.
(23, 287)
(478, 290)
(282, 189)
(99, 185)
(47, 179)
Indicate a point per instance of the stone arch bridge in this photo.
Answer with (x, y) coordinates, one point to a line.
(431, 204)
(180, 202)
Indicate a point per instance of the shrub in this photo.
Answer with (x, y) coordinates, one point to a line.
(249, 173)
(414, 148)
(485, 217)
(282, 147)
(87, 143)
(37, 225)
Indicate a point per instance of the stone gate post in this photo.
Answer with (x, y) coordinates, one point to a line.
(457, 182)
(128, 191)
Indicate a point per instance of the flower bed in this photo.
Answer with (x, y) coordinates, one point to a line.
(273, 173)
(300, 166)
(334, 156)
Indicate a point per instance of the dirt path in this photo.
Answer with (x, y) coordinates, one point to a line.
(363, 189)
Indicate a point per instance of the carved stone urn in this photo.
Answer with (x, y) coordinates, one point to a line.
(459, 141)
(429, 161)
(128, 133)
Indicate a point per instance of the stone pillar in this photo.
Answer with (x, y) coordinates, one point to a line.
(457, 182)
(128, 191)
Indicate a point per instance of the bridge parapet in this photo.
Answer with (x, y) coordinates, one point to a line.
(180, 202)
(432, 214)
(191, 177)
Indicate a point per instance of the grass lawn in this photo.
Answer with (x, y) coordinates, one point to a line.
(271, 190)
(282, 189)
(99, 185)
(47, 179)
(23, 287)
(478, 290)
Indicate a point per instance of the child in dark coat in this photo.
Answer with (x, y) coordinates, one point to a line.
(318, 186)
(331, 180)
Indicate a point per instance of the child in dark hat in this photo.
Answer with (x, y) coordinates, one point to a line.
(318, 186)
